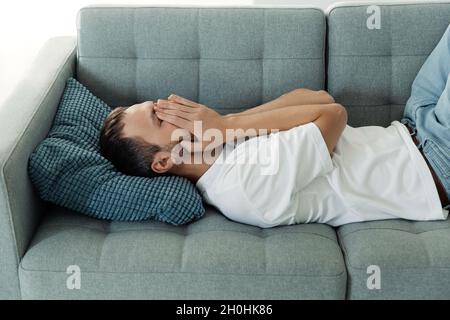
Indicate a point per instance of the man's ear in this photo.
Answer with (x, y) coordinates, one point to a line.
(162, 162)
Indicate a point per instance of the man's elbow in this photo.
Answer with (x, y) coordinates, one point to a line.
(326, 97)
(334, 122)
(340, 115)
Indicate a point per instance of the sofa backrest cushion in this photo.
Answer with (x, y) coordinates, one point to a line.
(370, 71)
(227, 58)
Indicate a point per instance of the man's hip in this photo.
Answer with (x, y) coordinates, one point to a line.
(438, 179)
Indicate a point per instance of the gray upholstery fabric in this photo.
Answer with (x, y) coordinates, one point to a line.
(213, 258)
(371, 71)
(413, 257)
(25, 119)
(228, 59)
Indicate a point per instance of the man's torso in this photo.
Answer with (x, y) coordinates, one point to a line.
(374, 173)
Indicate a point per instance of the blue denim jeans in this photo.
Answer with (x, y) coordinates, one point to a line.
(428, 110)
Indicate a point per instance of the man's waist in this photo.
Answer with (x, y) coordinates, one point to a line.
(440, 188)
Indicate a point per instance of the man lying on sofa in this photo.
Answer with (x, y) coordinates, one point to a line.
(310, 167)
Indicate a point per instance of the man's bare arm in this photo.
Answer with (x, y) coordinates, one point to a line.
(295, 97)
(331, 119)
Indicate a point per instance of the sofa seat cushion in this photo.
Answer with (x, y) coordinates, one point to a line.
(212, 258)
(412, 259)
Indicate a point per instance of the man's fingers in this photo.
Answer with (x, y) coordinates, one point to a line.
(184, 101)
(178, 113)
(164, 104)
(176, 121)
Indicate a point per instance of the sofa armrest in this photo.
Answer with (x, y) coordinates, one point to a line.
(25, 119)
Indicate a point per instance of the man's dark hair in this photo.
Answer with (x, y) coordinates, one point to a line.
(131, 156)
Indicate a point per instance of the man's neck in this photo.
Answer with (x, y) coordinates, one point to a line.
(197, 166)
(192, 172)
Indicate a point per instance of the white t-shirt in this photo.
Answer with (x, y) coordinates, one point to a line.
(289, 177)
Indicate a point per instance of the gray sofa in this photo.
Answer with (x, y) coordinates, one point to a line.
(229, 59)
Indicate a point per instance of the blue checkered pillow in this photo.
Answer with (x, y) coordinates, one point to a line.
(68, 170)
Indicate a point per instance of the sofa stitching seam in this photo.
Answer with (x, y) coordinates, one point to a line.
(181, 232)
(393, 229)
(198, 58)
(337, 275)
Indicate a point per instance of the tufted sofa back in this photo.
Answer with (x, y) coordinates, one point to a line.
(235, 58)
(227, 58)
(370, 71)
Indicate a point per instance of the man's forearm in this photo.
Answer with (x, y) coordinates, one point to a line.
(293, 98)
(278, 119)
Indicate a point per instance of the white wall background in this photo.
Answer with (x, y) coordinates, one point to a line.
(26, 24)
